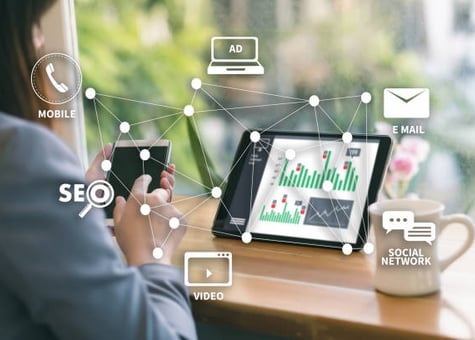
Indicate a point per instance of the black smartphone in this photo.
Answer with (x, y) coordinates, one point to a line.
(131, 159)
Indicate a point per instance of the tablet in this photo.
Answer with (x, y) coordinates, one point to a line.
(303, 188)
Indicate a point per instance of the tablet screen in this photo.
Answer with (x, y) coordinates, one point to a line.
(303, 187)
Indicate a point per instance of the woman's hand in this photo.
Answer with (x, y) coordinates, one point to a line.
(95, 171)
(167, 180)
(138, 234)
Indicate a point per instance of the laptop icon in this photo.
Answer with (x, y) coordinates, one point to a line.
(235, 55)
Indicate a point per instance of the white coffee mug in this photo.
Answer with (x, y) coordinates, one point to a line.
(406, 245)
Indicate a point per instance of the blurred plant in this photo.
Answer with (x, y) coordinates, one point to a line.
(408, 154)
(208, 174)
(150, 49)
(147, 50)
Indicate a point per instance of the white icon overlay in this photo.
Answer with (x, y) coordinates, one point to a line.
(56, 78)
(406, 103)
(223, 274)
(413, 231)
(235, 55)
(99, 195)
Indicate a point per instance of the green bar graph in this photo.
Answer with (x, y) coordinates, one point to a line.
(314, 177)
(283, 179)
(303, 177)
(286, 216)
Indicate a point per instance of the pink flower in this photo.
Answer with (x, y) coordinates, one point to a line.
(416, 146)
(403, 166)
(405, 160)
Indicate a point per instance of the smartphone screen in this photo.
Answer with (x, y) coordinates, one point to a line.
(127, 166)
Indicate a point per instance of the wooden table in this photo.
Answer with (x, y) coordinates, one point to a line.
(309, 293)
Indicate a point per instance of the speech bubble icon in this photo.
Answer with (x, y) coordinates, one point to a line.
(397, 220)
(424, 231)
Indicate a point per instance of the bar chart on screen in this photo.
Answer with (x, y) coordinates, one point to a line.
(280, 211)
(317, 211)
(343, 177)
(312, 188)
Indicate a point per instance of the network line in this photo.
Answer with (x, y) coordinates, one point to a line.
(203, 88)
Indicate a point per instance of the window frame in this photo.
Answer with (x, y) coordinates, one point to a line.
(59, 29)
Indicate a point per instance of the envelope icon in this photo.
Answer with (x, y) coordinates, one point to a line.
(406, 103)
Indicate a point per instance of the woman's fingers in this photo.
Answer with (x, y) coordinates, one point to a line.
(118, 209)
(95, 171)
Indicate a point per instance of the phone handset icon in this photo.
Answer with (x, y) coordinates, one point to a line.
(60, 87)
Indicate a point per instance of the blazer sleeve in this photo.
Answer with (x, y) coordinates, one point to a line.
(66, 270)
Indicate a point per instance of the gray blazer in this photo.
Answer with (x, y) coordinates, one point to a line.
(62, 277)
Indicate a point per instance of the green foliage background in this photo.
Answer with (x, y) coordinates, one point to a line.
(116, 61)
(358, 46)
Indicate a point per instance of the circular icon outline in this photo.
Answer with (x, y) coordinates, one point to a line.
(93, 200)
(78, 84)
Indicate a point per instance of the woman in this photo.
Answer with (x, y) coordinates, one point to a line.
(62, 277)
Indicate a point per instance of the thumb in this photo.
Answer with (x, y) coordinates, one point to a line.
(141, 184)
(119, 209)
(162, 194)
(105, 153)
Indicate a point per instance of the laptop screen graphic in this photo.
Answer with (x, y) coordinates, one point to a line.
(234, 49)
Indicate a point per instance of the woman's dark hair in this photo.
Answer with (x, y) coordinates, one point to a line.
(18, 55)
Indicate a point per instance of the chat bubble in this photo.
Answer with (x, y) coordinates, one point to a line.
(353, 152)
(424, 231)
(397, 220)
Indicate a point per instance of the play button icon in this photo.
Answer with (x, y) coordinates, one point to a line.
(208, 273)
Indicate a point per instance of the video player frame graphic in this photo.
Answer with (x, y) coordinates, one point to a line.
(214, 259)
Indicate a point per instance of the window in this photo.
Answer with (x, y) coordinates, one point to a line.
(149, 51)
(62, 37)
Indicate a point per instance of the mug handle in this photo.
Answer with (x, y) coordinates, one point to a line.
(465, 221)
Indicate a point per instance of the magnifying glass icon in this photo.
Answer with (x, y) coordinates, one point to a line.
(99, 194)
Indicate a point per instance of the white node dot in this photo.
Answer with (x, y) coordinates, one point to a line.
(366, 97)
(174, 223)
(90, 93)
(157, 253)
(314, 101)
(327, 186)
(347, 249)
(246, 237)
(189, 110)
(368, 248)
(347, 137)
(216, 192)
(145, 154)
(106, 165)
(196, 83)
(290, 154)
(255, 136)
(124, 127)
(145, 209)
